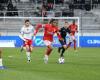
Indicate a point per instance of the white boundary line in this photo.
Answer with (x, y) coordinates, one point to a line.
(42, 17)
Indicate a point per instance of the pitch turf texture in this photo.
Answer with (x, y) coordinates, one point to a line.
(83, 65)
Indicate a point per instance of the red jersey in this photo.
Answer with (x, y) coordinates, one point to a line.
(49, 31)
(73, 28)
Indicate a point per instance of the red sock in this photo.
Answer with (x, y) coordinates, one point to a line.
(74, 44)
(48, 51)
(30, 49)
(68, 45)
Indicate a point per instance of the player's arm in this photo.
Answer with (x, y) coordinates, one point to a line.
(60, 29)
(76, 28)
(38, 26)
(33, 29)
(58, 34)
(68, 30)
(21, 34)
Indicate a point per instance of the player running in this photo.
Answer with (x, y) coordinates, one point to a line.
(26, 35)
(63, 31)
(73, 29)
(49, 30)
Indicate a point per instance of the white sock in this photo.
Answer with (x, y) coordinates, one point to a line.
(46, 57)
(1, 62)
(28, 55)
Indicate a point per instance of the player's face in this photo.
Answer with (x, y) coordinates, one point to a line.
(66, 24)
(73, 22)
(54, 23)
(27, 24)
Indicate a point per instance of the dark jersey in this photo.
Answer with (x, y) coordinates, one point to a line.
(64, 31)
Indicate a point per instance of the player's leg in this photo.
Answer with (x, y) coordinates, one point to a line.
(22, 47)
(31, 48)
(63, 43)
(1, 58)
(48, 50)
(28, 53)
(70, 42)
(74, 40)
(28, 49)
(59, 49)
(62, 52)
(74, 44)
(63, 48)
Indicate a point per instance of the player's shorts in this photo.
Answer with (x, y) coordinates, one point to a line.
(62, 42)
(28, 42)
(47, 42)
(71, 38)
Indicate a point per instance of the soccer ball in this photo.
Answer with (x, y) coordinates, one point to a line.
(61, 60)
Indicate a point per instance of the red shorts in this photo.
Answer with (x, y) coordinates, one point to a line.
(28, 42)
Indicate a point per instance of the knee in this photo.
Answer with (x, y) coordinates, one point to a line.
(51, 49)
(74, 40)
(64, 46)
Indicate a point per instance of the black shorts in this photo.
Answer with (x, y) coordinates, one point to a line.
(62, 42)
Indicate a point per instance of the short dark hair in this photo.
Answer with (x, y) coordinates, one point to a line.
(27, 20)
(73, 21)
(52, 20)
(66, 22)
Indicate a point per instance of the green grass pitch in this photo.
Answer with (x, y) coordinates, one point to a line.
(83, 65)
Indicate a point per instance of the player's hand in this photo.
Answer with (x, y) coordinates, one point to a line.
(71, 34)
(25, 40)
(61, 39)
(35, 32)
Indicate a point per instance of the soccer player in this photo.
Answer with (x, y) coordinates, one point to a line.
(73, 29)
(63, 31)
(26, 35)
(1, 65)
(49, 30)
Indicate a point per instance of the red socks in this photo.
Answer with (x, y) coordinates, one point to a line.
(68, 45)
(74, 44)
(48, 51)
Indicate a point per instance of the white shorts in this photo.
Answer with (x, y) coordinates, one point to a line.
(47, 43)
(71, 38)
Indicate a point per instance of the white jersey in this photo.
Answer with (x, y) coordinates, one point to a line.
(27, 32)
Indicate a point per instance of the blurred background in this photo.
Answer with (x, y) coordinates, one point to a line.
(88, 12)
